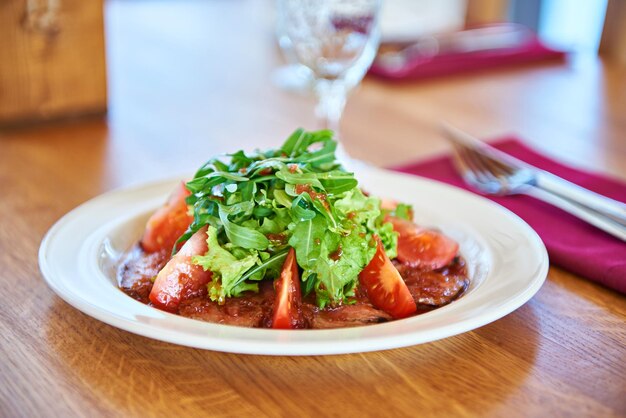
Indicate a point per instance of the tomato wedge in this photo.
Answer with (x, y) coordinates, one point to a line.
(422, 248)
(180, 279)
(385, 287)
(287, 313)
(168, 223)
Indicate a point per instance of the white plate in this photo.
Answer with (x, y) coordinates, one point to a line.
(507, 261)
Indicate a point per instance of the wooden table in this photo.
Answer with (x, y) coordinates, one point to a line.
(186, 81)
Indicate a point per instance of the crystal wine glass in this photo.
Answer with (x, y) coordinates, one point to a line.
(293, 76)
(337, 41)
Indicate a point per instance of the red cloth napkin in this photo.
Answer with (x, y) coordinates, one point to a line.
(572, 244)
(420, 68)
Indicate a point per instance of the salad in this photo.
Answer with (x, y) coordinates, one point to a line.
(286, 238)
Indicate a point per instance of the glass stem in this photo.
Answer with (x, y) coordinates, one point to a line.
(331, 100)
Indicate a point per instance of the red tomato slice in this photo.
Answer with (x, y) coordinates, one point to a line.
(422, 248)
(385, 287)
(168, 223)
(287, 314)
(180, 279)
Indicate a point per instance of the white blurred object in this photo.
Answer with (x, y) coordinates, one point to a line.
(405, 20)
(574, 25)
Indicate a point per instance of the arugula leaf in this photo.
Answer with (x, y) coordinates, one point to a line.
(208, 181)
(273, 263)
(294, 143)
(333, 182)
(262, 167)
(251, 197)
(299, 178)
(241, 208)
(306, 240)
(322, 156)
(282, 198)
(242, 287)
(301, 208)
(240, 235)
(308, 284)
(336, 182)
(247, 190)
(210, 166)
(270, 226)
(239, 160)
(262, 211)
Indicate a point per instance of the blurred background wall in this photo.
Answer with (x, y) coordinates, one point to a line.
(52, 52)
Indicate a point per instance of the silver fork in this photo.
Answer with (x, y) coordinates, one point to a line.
(491, 171)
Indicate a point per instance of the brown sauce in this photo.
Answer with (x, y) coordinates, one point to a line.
(306, 188)
(336, 255)
(277, 238)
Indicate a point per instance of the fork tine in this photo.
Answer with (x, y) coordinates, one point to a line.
(503, 160)
(473, 171)
(458, 160)
(498, 168)
(491, 182)
(484, 159)
(464, 166)
(481, 171)
(493, 166)
(475, 165)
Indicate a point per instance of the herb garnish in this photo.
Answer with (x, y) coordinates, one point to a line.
(298, 193)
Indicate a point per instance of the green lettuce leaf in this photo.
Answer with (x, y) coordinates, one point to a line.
(227, 269)
(389, 238)
(366, 210)
(337, 268)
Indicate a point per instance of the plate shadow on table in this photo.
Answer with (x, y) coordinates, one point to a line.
(134, 375)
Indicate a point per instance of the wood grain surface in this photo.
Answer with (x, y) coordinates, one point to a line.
(613, 42)
(187, 82)
(52, 59)
(486, 11)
